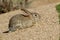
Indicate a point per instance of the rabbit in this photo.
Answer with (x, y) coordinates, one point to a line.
(21, 21)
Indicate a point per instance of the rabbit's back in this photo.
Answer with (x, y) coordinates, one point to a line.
(19, 21)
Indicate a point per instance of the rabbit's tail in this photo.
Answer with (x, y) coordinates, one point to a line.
(6, 32)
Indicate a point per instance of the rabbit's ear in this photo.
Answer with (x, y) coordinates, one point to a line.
(26, 11)
(26, 15)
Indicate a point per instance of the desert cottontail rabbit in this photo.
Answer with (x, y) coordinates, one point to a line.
(21, 21)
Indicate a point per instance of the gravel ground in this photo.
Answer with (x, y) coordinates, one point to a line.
(46, 29)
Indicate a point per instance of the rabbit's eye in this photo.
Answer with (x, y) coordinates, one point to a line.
(35, 15)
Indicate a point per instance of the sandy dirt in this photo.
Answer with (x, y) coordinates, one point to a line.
(46, 29)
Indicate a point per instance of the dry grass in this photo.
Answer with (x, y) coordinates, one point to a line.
(10, 5)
